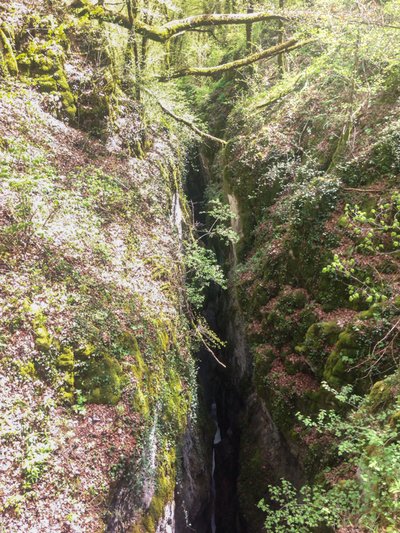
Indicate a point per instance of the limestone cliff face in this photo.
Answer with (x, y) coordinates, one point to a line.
(291, 323)
(97, 374)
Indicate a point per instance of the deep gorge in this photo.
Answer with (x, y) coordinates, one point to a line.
(199, 266)
(227, 393)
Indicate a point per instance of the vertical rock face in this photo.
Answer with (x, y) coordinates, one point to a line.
(265, 458)
(239, 357)
(193, 489)
(167, 522)
(291, 319)
(176, 215)
(98, 378)
(253, 452)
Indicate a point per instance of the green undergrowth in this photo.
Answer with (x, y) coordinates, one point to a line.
(317, 278)
(363, 487)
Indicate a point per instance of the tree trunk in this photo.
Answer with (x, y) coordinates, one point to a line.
(249, 28)
(281, 57)
(133, 46)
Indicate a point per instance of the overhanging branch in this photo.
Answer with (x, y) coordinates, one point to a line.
(164, 32)
(287, 46)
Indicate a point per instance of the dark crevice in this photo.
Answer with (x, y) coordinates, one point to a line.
(228, 404)
(227, 517)
(220, 400)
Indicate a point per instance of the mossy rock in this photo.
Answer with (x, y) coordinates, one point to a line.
(101, 380)
(8, 62)
(43, 339)
(288, 321)
(67, 396)
(262, 366)
(165, 481)
(319, 337)
(42, 61)
(383, 160)
(373, 312)
(27, 370)
(140, 403)
(278, 328)
(84, 351)
(316, 400)
(394, 420)
(337, 368)
(328, 331)
(130, 343)
(46, 84)
(58, 84)
(175, 402)
(66, 359)
(294, 300)
(382, 394)
(306, 318)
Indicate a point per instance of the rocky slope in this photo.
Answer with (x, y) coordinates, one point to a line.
(97, 376)
(317, 279)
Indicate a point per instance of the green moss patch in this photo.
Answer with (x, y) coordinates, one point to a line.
(319, 339)
(41, 59)
(100, 380)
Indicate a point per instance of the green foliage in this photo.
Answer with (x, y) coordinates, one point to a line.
(36, 458)
(301, 512)
(202, 268)
(201, 263)
(375, 233)
(80, 405)
(378, 230)
(220, 220)
(368, 442)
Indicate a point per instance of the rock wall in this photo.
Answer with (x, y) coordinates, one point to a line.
(291, 324)
(98, 378)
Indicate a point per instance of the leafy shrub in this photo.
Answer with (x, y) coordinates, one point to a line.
(366, 440)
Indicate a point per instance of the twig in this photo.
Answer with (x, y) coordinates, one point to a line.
(210, 350)
(375, 191)
(184, 121)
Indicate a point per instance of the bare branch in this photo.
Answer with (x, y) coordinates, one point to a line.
(203, 335)
(287, 46)
(184, 121)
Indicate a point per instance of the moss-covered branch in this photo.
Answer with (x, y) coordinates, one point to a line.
(165, 31)
(169, 29)
(287, 46)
